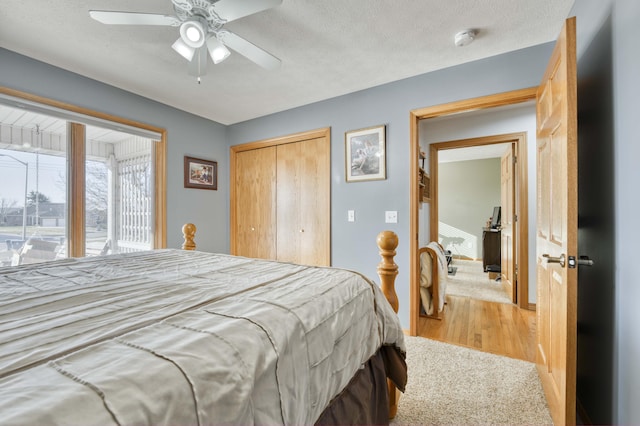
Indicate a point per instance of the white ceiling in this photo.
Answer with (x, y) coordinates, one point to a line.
(327, 47)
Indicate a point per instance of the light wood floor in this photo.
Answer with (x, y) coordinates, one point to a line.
(498, 328)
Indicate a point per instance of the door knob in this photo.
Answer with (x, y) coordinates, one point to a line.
(581, 261)
(585, 261)
(550, 259)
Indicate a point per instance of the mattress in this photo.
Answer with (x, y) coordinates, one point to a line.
(183, 337)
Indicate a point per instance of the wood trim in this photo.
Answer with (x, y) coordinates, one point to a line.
(522, 210)
(467, 105)
(414, 212)
(433, 206)
(76, 189)
(500, 99)
(78, 110)
(233, 213)
(280, 140)
(160, 196)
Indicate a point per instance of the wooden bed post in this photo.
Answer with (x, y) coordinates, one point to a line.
(188, 232)
(388, 270)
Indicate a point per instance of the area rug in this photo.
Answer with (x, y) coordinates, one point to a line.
(471, 281)
(453, 385)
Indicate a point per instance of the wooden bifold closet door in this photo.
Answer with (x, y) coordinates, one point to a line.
(281, 199)
(255, 230)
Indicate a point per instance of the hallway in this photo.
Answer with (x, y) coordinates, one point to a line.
(497, 328)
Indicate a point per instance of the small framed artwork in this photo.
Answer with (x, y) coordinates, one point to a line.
(201, 174)
(365, 154)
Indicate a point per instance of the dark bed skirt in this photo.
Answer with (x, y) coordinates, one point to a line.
(365, 400)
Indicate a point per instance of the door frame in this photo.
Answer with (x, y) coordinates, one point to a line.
(521, 204)
(474, 104)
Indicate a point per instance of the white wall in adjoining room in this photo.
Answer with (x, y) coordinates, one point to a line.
(467, 192)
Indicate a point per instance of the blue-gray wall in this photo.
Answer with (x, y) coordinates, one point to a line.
(626, 93)
(187, 134)
(353, 243)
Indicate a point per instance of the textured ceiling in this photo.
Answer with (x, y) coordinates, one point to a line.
(328, 48)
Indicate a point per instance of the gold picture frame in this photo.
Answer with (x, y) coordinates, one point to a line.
(200, 174)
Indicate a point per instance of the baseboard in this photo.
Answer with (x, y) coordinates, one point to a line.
(531, 307)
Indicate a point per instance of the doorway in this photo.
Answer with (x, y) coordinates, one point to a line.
(485, 180)
(503, 99)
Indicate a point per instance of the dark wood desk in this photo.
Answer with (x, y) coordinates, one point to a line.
(490, 248)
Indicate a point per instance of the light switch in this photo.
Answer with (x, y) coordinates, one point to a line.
(391, 216)
(351, 215)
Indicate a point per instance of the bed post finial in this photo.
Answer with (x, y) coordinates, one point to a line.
(188, 232)
(387, 269)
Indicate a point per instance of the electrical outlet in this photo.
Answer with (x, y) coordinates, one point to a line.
(351, 215)
(391, 216)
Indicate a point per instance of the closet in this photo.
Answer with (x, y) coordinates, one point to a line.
(280, 198)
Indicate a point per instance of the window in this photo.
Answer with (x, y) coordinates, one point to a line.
(32, 206)
(92, 186)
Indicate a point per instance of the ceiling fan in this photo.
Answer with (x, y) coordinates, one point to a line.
(201, 30)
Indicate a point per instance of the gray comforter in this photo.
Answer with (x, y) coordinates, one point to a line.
(180, 337)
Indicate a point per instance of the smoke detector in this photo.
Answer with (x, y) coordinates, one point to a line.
(465, 37)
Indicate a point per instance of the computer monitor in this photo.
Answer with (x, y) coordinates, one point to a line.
(495, 219)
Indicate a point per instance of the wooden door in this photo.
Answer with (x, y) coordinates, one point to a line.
(507, 249)
(255, 202)
(556, 234)
(303, 213)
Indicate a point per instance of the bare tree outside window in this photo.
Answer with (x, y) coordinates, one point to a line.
(6, 207)
(96, 194)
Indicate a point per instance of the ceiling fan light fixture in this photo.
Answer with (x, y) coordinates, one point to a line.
(193, 33)
(183, 49)
(217, 50)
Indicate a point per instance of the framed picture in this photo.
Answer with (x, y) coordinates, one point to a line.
(201, 174)
(365, 154)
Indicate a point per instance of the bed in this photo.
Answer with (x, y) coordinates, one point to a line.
(186, 337)
(433, 266)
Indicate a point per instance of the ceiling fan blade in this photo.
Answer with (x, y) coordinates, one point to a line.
(198, 65)
(133, 18)
(249, 50)
(230, 10)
